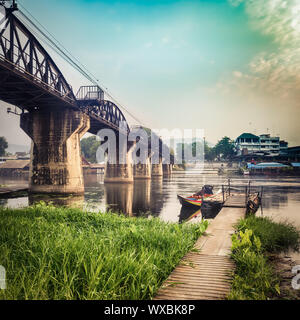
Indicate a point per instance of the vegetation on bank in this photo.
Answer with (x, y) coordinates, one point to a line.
(255, 240)
(224, 149)
(64, 253)
(89, 147)
(3, 146)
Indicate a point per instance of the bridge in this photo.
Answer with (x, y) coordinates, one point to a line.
(54, 117)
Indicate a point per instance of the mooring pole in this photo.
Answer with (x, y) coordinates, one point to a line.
(261, 200)
(229, 187)
(223, 192)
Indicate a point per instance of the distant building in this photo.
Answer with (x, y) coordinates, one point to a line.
(247, 143)
(23, 155)
(14, 167)
(6, 158)
(262, 145)
(293, 153)
(92, 167)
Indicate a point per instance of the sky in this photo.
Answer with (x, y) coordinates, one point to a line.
(225, 66)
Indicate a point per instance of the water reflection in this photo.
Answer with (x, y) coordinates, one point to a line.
(69, 201)
(142, 197)
(186, 213)
(3, 202)
(159, 195)
(119, 197)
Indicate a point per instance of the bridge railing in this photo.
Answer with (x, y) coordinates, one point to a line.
(32, 68)
(248, 191)
(90, 93)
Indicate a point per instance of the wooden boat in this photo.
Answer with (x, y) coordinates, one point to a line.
(196, 199)
(254, 201)
(190, 201)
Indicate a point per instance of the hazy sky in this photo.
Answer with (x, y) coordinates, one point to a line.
(227, 66)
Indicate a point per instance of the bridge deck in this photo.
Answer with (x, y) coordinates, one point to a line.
(205, 275)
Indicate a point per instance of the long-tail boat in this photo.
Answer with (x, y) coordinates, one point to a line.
(197, 199)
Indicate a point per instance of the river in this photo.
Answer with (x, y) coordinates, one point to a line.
(158, 197)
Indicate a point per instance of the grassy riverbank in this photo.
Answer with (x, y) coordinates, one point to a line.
(60, 253)
(256, 239)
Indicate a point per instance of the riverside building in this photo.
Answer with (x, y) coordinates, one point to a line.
(264, 145)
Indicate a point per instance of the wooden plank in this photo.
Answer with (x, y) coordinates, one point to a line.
(206, 274)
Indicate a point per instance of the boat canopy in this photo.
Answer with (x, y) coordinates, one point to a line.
(264, 165)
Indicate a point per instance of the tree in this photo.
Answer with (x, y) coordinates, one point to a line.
(209, 153)
(89, 148)
(3, 146)
(225, 148)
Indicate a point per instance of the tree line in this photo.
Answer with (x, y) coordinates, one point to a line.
(224, 149)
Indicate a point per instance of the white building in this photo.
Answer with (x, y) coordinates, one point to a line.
(247, 143)
(264, 144)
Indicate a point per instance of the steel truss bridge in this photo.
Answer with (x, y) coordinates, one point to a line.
(31, 80)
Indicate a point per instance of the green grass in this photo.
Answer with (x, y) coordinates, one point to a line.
(60, 253)
(274, 236)
(256, 238)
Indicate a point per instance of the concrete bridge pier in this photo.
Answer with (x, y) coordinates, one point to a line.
(157, 169)
(120, 172)
(55, 152)
(142, 170)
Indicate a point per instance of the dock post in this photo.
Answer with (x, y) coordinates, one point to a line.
(261, 199)
(223, 192)
(229, 187)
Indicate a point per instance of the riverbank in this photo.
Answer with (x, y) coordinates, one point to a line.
(261, 271)
(60, 253)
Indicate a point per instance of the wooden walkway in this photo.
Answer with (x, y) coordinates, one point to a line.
(235, 201)
(206, 273)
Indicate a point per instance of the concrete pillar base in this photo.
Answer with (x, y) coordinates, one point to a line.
(157, 169)
(118, 173)
(55, 152)
(142, 170)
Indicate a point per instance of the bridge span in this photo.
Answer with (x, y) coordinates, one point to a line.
(54, 117)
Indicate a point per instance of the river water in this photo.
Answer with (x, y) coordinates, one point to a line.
(158, 197)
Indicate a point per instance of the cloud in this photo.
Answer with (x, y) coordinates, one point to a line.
(237, 74)
(165, 40)
(235, 3)
(274, 72)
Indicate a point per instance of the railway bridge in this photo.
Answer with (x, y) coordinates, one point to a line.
(54, 117)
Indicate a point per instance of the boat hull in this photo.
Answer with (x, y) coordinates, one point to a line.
(190, 202)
